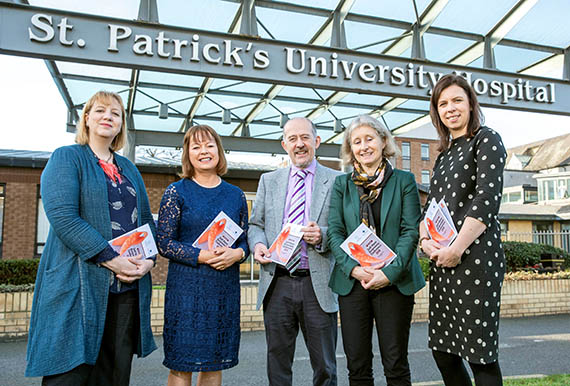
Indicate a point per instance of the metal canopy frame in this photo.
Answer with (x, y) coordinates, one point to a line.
(331, 32)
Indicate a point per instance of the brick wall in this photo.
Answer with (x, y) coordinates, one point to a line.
(518, 298)
(20, 208)
(416, 162)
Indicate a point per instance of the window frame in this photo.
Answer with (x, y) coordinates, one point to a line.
(36, 243)
(428, 176)
(2, 195)
(424, 146)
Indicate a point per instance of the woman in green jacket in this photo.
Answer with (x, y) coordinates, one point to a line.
(386, 200)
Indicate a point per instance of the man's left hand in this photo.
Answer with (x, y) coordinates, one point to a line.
(312, 233)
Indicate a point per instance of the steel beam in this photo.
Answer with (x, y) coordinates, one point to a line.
(338, 34)
(148, 11)
(232, 143)
(475, 51)
(397, 48)
(207, 82)
(248, 24)
(566, 65)
(324, 33)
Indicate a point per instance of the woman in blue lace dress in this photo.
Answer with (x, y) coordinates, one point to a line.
(202, 301)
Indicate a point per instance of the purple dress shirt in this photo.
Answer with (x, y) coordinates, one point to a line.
(304, 263)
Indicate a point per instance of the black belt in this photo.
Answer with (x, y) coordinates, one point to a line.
(280, 271)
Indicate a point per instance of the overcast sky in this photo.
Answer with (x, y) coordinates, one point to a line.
(33, 115)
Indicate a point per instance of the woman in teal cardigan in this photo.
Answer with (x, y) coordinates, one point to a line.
(91, 307)
(386, 200)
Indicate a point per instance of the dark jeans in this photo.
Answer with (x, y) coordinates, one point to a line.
(120, 337)
(291, 303)
(392, 313)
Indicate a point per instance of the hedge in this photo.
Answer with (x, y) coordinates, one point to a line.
(521, 255)
(18, 272)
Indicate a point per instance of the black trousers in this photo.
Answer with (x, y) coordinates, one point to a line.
(392, 313)
(291, 303)
(120, 337)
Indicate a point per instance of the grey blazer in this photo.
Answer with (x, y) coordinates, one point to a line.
(265, 224)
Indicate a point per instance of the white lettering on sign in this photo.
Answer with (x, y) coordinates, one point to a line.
(340, 66)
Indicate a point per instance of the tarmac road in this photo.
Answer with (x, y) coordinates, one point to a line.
(539, 345)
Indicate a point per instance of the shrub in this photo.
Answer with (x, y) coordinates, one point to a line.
(521, 254)
(424, 264)
(18, 272)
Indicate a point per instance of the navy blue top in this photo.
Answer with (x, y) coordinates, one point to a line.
(124, 215)
(202, 304)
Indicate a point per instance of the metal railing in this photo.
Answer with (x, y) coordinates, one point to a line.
(249, 271)
(556, 239)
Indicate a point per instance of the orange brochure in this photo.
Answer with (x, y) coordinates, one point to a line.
(136, 242)
(439, 223)
(286, 243)
(368, 249)
(221, 232)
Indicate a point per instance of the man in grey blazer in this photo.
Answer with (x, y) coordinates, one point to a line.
(300, 297)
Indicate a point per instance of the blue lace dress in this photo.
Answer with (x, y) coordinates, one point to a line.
(202, 305)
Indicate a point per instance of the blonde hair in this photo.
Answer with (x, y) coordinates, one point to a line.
(197, 133)
(390, 150)
(105, 97)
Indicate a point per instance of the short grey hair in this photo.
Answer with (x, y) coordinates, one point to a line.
(307, 120)
(390, 150)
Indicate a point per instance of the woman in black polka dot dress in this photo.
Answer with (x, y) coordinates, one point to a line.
(466, 277)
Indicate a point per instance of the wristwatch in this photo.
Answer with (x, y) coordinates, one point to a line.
(420, 242)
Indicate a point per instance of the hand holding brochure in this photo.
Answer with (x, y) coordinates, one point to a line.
(365, 247)
(221, 232)
(439, 223)
(286, 243)
(136, 242)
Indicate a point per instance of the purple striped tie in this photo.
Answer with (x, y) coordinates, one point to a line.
(297, 214)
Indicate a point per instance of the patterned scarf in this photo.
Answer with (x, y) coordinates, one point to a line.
(374, 185)
(111, 171)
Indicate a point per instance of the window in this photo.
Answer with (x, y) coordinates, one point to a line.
(530, 196)
(405, 150)
(2, 200)
(561, 190)
(515, 196)
(425, 151)
(42, 225)
(406, 156)
(550, 193)
(425, 177)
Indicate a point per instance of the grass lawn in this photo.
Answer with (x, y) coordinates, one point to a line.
(551, 380)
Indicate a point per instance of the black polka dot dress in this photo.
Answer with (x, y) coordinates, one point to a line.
(464, 301)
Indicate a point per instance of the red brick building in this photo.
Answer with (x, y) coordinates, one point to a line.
(24, 227)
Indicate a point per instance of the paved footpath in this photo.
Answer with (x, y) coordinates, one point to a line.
(539, 345)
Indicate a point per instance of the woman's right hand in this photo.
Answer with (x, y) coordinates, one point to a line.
(360, 274)
(429, 246)
(122, 267)
(205, 256)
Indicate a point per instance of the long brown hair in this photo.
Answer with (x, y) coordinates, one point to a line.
(105, 97)
(198, 133)
(475, 117)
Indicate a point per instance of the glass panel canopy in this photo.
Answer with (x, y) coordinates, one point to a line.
(457, 28)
